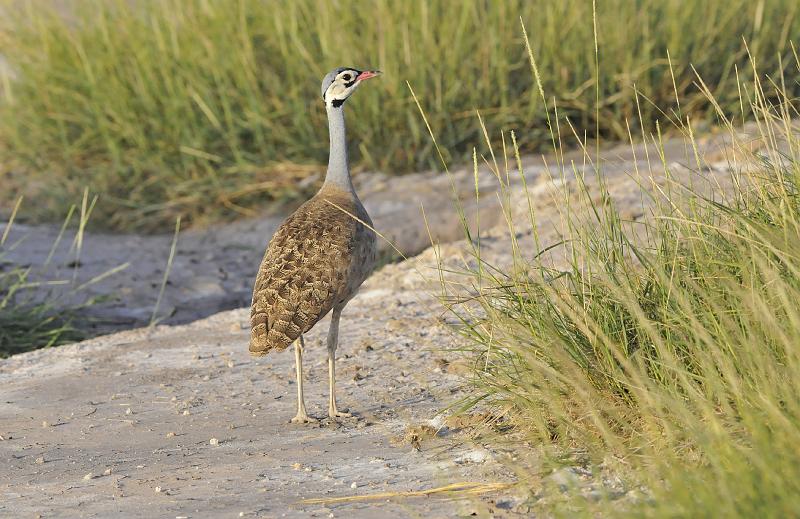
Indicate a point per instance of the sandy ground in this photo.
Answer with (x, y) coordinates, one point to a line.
(178, 421)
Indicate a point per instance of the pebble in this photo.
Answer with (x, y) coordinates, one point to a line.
(88, 476)
(40, 460)
(213, 441)
(353, 485)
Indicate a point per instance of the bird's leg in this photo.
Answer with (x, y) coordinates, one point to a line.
(333, 339)
(302, 415)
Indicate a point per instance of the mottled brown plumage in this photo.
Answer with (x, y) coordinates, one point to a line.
(315, 261)
(319, 256)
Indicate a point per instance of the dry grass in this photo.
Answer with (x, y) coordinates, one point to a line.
(666, 351)
(454, 490)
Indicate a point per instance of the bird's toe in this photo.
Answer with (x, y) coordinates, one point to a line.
(332, 413)
(303, 418)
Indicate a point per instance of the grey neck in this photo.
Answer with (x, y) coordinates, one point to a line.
(338, 166)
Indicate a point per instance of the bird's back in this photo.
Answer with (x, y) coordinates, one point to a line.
(316, 260)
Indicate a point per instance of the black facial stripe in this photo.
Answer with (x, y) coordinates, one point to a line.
(336, 103)
(353, 75)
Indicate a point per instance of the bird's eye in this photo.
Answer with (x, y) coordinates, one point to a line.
(347, 77)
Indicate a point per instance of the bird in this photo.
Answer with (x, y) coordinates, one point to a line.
(319, 256)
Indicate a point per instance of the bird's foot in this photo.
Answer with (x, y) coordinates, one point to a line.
(334, 413)
(303, 418)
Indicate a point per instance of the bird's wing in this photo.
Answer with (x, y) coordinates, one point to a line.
(303, 272)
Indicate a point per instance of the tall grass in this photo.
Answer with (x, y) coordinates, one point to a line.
(667, 350)
(207, 108)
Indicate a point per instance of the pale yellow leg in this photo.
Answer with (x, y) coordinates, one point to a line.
(333, 339)
(302, 415)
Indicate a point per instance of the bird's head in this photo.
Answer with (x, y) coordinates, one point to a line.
(339, 84)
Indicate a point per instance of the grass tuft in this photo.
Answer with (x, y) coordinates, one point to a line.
(35, 312)
(666, 349)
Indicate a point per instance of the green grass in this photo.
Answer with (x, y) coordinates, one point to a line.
(27, 324)
(36, 312)
(209, 109)
(668, 350)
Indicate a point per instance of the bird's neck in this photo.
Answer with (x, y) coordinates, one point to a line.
(338, 166)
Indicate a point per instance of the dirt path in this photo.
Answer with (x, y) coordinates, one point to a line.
(178, 421)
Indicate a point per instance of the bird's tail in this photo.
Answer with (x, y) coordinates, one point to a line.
(259, 343)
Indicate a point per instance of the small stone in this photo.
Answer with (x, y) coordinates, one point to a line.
(128, 411)
(158, 490)
(45, 424)
(230, 364)
(40, 460)
(88, 476)
(170, 434)
(107, 472)
(186, 412)
(213, 441)
(353, 485)
(297, 466)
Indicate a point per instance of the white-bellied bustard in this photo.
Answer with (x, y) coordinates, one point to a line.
(318, 257)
